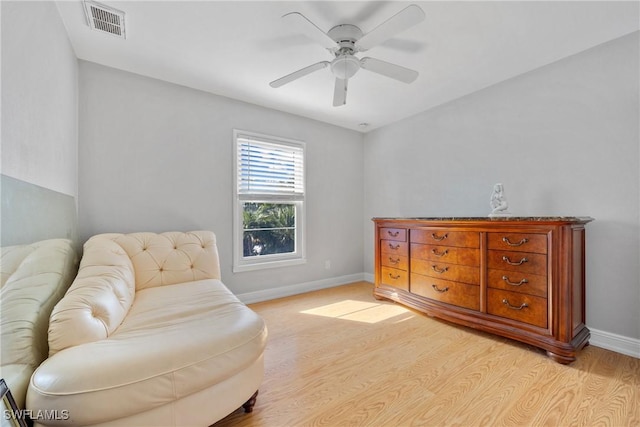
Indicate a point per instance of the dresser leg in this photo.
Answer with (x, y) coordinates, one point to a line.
(565, 360)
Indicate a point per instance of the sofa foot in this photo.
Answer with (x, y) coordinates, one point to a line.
(249, 404)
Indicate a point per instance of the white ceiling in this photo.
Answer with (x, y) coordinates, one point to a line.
(235, 48)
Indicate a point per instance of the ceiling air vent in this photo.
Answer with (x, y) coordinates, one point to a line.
(104, 18)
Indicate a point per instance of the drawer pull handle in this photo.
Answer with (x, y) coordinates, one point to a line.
(438, 238)
(436, 253)
(394, 247)
(513, 307)
(520, 243)
(439, 270)
(394, 261)
(394, 277)
(509, 282)
(440, 290)
(393, 233)
(508, 261)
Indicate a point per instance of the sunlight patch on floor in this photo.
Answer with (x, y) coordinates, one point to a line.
(358, 311)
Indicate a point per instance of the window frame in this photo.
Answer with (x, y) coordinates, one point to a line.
(240, 262)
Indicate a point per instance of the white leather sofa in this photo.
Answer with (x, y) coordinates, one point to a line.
(33, 278)
(148, 335)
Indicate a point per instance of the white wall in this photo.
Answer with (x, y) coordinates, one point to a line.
(39, 150)
(563, 140)
(155, 156)
(39, 97)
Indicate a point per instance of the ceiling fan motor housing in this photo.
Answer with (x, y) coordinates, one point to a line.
(345, 35)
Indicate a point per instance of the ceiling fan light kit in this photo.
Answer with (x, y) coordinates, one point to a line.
(344, 41)
(345, 66)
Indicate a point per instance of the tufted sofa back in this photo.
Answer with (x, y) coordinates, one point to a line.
(114, 267)
(170, 258)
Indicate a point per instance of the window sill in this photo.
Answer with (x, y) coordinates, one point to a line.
(268, 264)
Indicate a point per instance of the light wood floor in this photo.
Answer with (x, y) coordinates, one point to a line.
(338, 357)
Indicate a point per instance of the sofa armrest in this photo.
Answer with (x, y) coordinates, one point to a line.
(34, 278)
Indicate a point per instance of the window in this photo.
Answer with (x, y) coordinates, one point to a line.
(269, 201)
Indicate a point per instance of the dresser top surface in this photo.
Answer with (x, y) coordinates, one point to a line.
(564, 219)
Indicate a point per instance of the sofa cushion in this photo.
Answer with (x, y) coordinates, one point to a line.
(176, 340)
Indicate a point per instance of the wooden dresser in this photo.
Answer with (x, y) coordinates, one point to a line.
(522, 278)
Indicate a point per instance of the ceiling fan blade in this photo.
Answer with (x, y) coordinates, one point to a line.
(388, 69)
(407, 17)
(340, 92)
(303, 25)
(300, 73)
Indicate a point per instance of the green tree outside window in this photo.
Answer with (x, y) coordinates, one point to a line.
(268, 228)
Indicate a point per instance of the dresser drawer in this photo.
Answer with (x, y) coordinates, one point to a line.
(394, 277)
(448, 254)
(535, 243)
(517, 306)
(436, 236)
(395, 261)
(397, 234)
(455, 293)
(393, 247)
(521, 262)
(526, 283)
(445, 271)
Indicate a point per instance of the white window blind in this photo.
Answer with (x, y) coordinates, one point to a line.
(269, 170)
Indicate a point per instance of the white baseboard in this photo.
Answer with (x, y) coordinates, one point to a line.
(606, 340)
(300, 288)
(615, 342)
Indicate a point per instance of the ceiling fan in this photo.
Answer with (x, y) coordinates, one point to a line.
(344, 41)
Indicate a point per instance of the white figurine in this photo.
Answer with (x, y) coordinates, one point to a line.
(498, 202)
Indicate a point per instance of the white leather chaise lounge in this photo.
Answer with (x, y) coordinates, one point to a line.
(148, 335)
